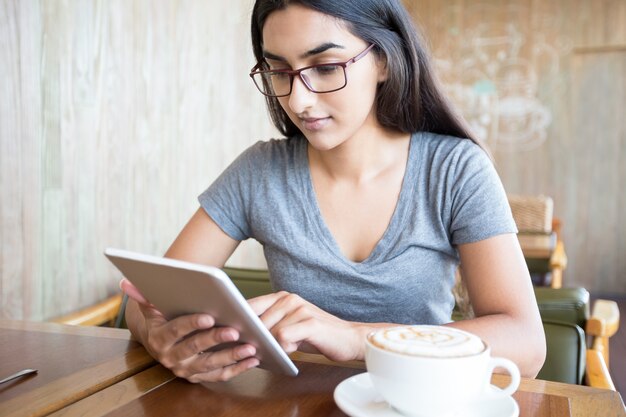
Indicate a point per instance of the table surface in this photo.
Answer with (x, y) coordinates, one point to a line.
(72, 362)
(95, 372)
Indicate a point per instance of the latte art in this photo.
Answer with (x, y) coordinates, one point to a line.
(432, 341)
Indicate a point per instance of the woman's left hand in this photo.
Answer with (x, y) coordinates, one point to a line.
(294, 321)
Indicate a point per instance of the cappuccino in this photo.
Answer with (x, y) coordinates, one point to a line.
(429, 341)
(429, 371)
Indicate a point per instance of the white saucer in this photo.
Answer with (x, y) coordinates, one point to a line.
(356, 397)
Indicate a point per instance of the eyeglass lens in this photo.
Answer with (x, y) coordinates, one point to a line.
(319, 79)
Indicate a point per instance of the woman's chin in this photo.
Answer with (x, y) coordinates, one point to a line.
(322, 144)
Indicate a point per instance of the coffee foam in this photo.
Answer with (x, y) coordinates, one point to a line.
(432, 341)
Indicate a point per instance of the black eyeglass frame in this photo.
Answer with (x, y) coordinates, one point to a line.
(292, 73)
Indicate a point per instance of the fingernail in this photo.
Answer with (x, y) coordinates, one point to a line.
(229, 335)
(245, 351)
(206, 321)
(253, 363)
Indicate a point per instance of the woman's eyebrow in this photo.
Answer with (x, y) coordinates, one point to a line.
(317, 50)
(322, 48)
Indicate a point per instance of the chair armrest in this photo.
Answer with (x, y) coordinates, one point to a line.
(602, 324)
(597, 373)
(102, 313)
(558, 262)
(604, 320)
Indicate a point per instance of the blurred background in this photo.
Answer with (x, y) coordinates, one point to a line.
(115, 115)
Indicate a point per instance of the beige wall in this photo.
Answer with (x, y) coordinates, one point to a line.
(114, 115)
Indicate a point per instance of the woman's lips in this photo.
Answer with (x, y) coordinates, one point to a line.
(314, 123)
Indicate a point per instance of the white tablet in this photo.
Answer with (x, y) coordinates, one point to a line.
(177, 288)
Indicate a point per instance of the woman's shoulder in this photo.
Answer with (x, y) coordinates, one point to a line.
(438, 149)
(436, 142)
(272, 149)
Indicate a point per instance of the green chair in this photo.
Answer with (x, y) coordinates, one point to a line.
(564, 313)
(250, 282)
(569, 326)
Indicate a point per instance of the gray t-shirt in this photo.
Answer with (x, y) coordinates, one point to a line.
(451, 194)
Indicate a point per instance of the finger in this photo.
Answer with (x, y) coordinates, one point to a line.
(314, 335)
(226, 373)
(183, 326)
(223, 358)
(291, 335)
(165, 335)
(201, 342)
(261, 303)
(289, 306)
(133, 292)
(295, 328)
(210, 361)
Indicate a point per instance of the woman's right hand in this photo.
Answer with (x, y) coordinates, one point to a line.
(182, 345)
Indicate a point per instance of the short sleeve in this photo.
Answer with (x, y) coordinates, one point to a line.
(226, 200)
(480, 208)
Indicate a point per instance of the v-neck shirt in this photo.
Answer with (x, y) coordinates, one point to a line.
(450, 195)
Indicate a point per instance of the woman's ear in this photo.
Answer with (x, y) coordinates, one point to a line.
(381, 64)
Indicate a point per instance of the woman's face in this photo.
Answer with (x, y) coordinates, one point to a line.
(297, 37)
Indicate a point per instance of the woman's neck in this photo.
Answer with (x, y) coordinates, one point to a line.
(363, 158)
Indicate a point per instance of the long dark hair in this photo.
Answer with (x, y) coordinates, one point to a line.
(410, 99)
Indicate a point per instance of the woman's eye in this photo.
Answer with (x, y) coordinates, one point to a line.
(326, 69)
(280, 76)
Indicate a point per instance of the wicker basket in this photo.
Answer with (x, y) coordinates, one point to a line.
(532, 213)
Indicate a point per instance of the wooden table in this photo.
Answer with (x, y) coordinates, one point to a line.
(73, 362)
(123, 381)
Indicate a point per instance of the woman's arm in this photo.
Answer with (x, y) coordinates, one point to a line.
(501, 293)
(179, 344)
(203, 242)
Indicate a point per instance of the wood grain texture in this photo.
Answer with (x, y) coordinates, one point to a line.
(20, 154)
(114, 116)
(73, 363)
(257, 392)
(117, 395)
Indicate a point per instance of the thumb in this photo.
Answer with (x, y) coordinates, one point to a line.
(148, 310)
(133, 292)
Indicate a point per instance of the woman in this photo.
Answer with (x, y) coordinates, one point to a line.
(364, 211)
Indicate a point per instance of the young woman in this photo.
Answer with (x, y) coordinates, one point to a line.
(364, 211)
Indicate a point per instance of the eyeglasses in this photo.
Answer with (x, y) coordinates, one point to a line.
(320, 78)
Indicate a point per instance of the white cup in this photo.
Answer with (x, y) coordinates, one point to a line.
(433, 370)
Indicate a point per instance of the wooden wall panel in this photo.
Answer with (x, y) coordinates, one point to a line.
(114, 116)
(599, 136)
(577, 49)
(20, 155)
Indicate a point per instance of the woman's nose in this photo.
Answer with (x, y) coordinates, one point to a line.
(301, 97)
